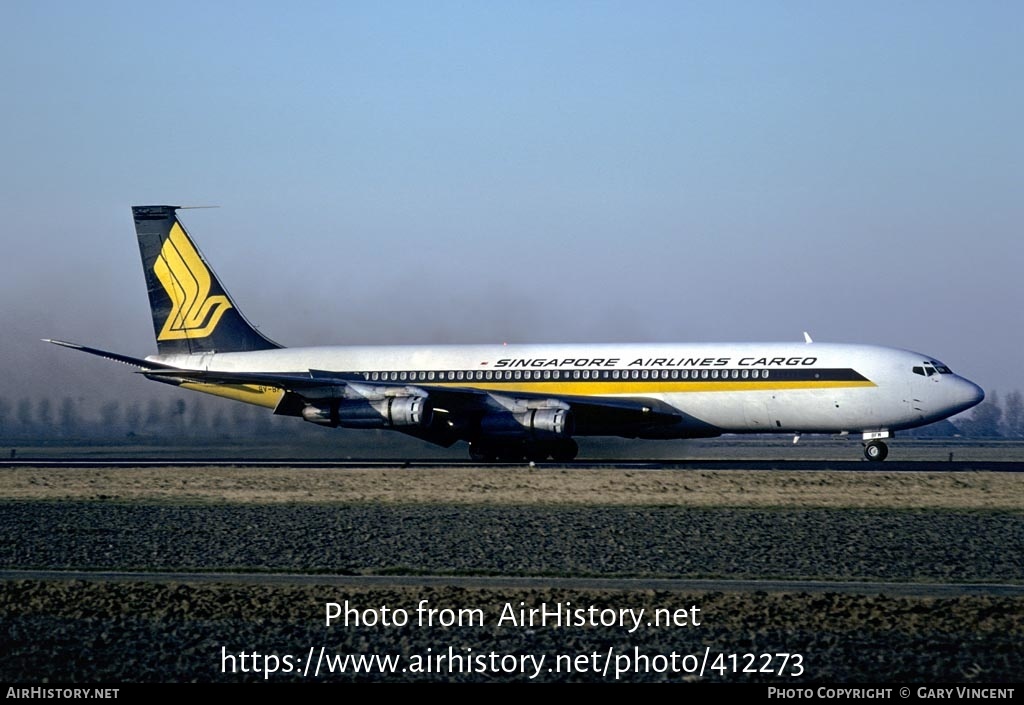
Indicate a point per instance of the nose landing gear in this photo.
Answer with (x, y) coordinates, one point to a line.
(876, 451)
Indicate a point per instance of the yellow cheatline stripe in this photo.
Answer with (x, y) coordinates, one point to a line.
(249, 393)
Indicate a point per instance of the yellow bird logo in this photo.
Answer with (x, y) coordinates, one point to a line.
(181, 271)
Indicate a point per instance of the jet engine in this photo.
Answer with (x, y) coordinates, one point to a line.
(531, 423)
(388, 412)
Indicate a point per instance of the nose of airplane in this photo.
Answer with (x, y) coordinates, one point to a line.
(968, 394)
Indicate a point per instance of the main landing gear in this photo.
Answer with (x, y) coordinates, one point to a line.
(876, 451)
(561, 451)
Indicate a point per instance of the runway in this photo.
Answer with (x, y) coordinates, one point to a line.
(746, 464)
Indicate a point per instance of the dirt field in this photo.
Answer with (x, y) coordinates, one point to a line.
(526, 486)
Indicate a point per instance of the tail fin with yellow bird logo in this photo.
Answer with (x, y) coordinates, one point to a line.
(192, 311)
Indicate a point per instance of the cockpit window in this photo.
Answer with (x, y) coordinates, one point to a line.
(929, 370)
(943, 370)
(919, 371)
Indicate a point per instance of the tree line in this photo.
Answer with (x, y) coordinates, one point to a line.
(996, 417)
(195, 418)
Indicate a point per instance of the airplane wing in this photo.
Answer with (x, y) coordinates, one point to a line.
(317, 394)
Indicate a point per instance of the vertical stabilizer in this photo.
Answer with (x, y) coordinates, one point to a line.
(192, 312)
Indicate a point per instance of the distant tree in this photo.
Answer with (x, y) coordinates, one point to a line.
(985, 420)
(110, 418)
(198, 420)
(133, 418)
(44, 413)
(176, 417)
(219, 423)
(1013, 415)
(154, 417)
(70, 417)
(241, 418)
(25, 420)
(69, 421)
(5, 415)
(261, 421)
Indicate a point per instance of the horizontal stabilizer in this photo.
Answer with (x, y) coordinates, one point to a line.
(125, 359)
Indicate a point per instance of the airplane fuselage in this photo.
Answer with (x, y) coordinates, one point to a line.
(720, 388)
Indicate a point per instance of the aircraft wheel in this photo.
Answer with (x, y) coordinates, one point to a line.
(564, 451)
(876, 451)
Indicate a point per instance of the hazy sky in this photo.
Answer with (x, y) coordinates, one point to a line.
(522, 172)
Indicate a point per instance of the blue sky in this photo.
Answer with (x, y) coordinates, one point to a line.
(523, 172)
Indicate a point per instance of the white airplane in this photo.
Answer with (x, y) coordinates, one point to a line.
(511, 402)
